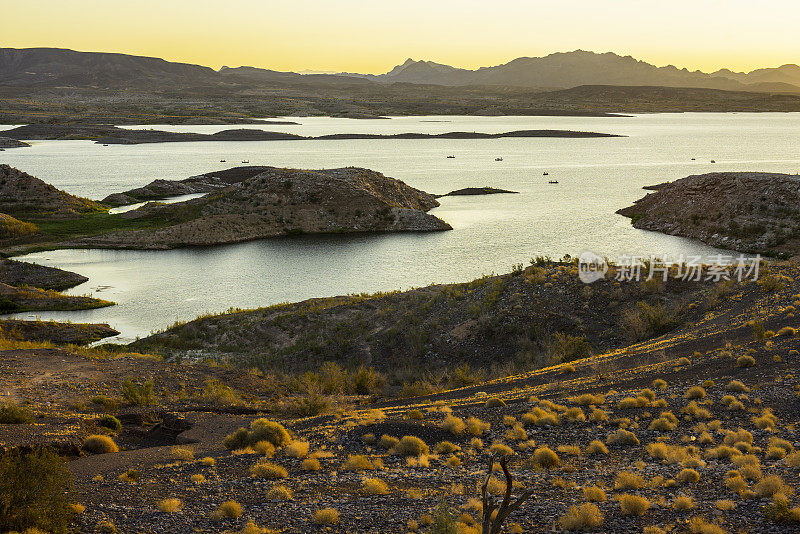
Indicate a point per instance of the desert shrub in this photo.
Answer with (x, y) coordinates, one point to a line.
(662, 424)
(598, 416)
(266, 469)
(98, 444)
(659, 383)
(584, 517)
(695, 392)
(369, 439)
(453, 424)
(310, 464)
(227, 510)
(197, 478)
(771, 485)
(387, 441)
(596, 447)
(296, 449)
(374, 486)
(410, 446)
(110, 422)
(264, 429)
(34, 492)
(632, 402)
(571, 450)
(415, 414)
(787, 331)
(793, 459)
(265, 448)
(358, 462)
(280, 492)
(632, 504)
(682, 503)
(517, 433)
(767, 420)
(169, 506)
(739, 436)
(626, 480)
(325, 516)
(594, 493)
(574, 415)
(446, 447)
(722, 451)
(698, 525)
(697, 411)
(494, 402)
(622, 437)
(476, 427)
(501, 449)
(688, 476)
(11, 414)
(139, 394)
(725, 505)
(775, 453)
(737, 386)
(545, 457)
(745, 361)
(106, 403)
(182, 453)
(750, 472)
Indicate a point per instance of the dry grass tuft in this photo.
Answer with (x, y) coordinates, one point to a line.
(632, 504)
(265, 469)
(169, 506)
(98, 444)
(584, 517)
(325, 516)
(374, 486)
(594, 494)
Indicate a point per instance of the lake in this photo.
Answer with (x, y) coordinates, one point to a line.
(596, 177)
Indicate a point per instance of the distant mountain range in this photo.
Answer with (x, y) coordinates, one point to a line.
(571, 69)
(51, 67)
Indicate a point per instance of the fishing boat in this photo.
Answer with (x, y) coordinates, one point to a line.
(451, 157)
(545, 174)
(712, 161)
(498, 159)
(553, 182)
(222, 161)
(245, 161)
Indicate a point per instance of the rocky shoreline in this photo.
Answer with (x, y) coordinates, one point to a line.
(748, 212)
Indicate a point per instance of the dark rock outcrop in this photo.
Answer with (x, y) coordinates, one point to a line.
(17, 273)
(750, 212)
(53, 332)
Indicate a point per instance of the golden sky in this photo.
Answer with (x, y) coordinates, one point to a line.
(373, 36)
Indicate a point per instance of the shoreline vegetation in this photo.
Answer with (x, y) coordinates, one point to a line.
(112, 135)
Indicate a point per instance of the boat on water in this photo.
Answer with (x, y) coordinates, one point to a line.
(712, 161)
(222, 161)
(451, 157)
(245, 161)
(553, 182)
(498, 159)
(545, 174)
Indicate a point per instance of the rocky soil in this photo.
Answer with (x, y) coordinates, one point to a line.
(710, 444)
(279, 202)
(743, 211)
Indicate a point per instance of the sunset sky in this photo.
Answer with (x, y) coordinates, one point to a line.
(373, 36)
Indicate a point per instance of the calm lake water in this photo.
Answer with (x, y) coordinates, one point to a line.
(491, 233)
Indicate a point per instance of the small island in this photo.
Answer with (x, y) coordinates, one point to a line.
(469, 191)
